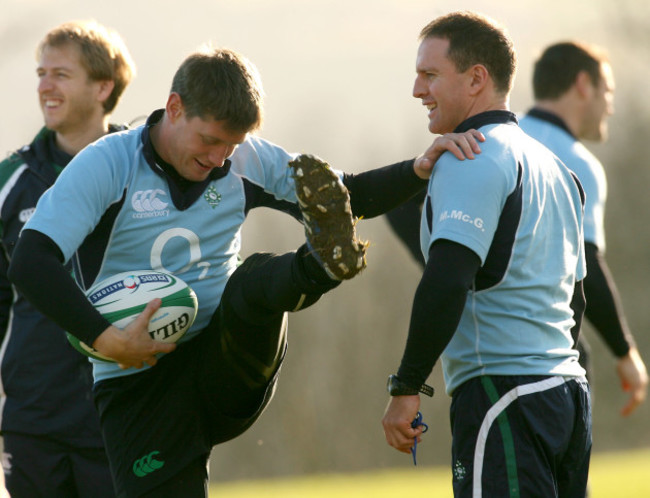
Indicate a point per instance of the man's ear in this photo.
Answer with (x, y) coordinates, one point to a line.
(583, 84)
(479, 77)
(105, 90)
(174, 108)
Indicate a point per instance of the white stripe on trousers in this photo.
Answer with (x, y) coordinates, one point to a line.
(494, 412)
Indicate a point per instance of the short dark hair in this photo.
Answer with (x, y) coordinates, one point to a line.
(557, 68)
(223, 85)
(104, 55)
(476, 39)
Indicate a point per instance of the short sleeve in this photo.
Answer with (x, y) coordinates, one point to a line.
(466, 201)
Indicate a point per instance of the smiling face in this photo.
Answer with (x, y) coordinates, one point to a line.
(440, 87)
(69, 100)
(195, 146)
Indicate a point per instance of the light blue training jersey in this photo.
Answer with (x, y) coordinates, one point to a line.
(199, 243)
(520, 210)
(589, 170)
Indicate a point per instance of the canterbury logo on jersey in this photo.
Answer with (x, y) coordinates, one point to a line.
(147, 464)
(147, 203)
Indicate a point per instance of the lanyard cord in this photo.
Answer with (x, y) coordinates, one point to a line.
(417, 422)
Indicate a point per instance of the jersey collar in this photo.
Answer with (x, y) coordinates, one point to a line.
(549, 117)
(486, 118)
(51, 153)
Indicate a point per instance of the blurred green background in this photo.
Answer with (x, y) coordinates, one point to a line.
(338, 77)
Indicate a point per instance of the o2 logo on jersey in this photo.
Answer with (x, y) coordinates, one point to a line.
(147, 204)
(193, 251)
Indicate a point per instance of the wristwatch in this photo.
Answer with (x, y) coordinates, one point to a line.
(396, 387)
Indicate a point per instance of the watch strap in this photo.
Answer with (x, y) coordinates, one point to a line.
(398, 388)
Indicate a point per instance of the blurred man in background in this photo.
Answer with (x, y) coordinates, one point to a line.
(52, 442)
(573, 86)
(500, 300)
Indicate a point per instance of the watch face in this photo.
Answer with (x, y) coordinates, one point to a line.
(389, 384)
(396, 388)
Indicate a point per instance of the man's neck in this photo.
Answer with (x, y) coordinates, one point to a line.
(73, 141)
(489, 102)
(563, 110)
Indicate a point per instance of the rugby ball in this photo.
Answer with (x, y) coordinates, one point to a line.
(122, 297)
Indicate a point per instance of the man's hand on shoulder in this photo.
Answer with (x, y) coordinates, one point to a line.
(132, 346)
(461, 145)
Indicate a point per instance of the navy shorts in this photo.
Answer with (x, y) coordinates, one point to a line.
(521, 436)
(40, 466)
(158, 422)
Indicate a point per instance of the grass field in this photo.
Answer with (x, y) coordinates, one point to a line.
(612, 475)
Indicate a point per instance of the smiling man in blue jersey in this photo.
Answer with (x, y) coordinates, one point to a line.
(172, 195)
(500, 301)
(573, 85)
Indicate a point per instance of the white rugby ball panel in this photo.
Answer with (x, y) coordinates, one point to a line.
(122, 297)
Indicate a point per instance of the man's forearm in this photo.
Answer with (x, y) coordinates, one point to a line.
(377, 191)
(437, 307)
(37, 270)
(604, 309)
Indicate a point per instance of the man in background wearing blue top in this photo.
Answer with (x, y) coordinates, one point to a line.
(573, 85)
